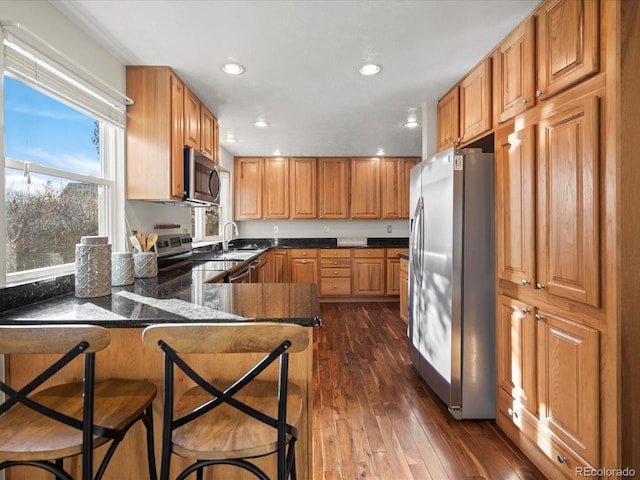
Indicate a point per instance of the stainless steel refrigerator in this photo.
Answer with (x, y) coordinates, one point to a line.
(451, 296)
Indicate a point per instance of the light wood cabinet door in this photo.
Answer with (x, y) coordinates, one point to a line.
(154, 139)
(515, 205)
(191, 119)
(568, 241)
(275, 188)
(404, 289)
(368, 271)
(393, 270)
(333, 187)
(247, 184)
(280, 266)
(475, 102)
(303, 187)
(516, 353)
(568, 44)
(365, 187)
(207, 133)
(449, 120)
(569, 383)
(515, 71)
(395, 177)
(304, 270)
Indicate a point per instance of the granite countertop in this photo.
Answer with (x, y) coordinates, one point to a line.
(175, 297)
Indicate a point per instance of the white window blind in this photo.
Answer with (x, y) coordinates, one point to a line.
(42, 72)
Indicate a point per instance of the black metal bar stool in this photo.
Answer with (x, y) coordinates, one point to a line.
(40, 427)
(247, 418)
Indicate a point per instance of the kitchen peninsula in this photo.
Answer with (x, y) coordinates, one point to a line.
(173, 297)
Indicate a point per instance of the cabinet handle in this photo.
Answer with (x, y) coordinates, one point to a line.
(524, 101)
(512, 412)
(539, 286)
(303, 261)
(562, 458)
(525, 310)
(526, 282)
(539, 317)
(335, 273)
(539, 93)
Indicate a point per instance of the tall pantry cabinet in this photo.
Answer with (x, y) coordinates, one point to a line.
(567, 247)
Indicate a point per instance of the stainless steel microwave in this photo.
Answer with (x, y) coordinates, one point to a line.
(201, 178)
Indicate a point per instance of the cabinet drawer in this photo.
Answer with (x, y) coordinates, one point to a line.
(369, 253)
(304, 253)
(335, 286)
(335, 272)
(393, 252)
(335, 253)
(335, 263)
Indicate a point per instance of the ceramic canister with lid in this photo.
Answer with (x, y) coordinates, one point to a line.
(93, 267)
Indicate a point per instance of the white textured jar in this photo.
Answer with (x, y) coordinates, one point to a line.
(93, 267)
(122, 269)
(145, 264)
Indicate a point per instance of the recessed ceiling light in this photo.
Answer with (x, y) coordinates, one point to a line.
(260, 123)
(411, 124)
(232, 68)
(370, 69)
(230, 139)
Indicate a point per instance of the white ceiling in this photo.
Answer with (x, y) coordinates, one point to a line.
(302, 60)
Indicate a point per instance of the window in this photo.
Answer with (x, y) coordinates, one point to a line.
(61, 144)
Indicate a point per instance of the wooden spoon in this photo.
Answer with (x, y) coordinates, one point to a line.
(151, 240)
(143, 242)
(136, 244)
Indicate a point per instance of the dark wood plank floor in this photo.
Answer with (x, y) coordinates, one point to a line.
(374, 418)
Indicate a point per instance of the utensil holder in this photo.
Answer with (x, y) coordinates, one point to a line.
(122, 269)
(145, 264)
(93, 267)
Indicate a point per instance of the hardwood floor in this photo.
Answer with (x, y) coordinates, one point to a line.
(374, 418)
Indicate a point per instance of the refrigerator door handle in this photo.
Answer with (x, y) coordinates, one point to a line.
(417, 241)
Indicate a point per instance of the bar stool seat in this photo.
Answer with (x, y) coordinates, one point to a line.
(40, 425)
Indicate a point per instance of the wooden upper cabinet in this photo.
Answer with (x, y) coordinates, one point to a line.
(247, 174)
(515, 72)
(475, 102)
(207, 133)
(568, 242)
(449, 120)
(155, 156)
(333, 187)
(302, 187)
(365, 187)
(515, 204)
(275, 188)
(394, 186)
(568, 44)
(191, 119)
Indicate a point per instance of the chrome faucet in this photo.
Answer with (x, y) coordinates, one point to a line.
(225, 242)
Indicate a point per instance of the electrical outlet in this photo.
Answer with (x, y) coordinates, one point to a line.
(326, 229)
(388, 228)
(275, 229)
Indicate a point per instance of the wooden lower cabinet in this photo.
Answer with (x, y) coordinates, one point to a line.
(368, 269)
(404, 289)
(263, 273)
(280, 265)
(304, 265)
(393, 270)
(548, 385)
(335, 272)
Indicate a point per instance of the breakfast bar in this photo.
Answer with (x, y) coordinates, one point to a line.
(171, 298)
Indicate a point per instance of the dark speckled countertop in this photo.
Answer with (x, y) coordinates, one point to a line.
(178, 297)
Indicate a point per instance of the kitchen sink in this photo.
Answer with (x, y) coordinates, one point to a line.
(241, 254)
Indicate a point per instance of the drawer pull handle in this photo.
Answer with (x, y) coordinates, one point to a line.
(562, 458)
(512, 412)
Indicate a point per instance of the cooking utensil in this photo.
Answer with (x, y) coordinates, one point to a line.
(143, 242)
(151, 241)
(136, 244)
